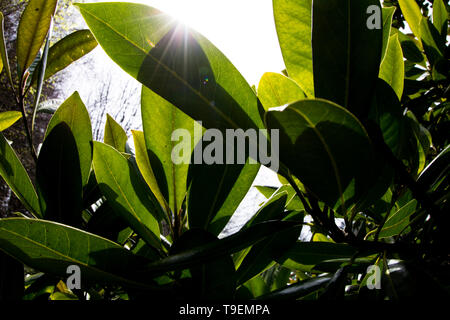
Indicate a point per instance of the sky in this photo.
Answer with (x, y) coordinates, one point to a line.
(244, 30)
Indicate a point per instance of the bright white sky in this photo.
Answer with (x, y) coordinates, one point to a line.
(244, 30)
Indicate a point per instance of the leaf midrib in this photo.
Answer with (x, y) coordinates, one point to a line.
(328, 151)
(58, 253)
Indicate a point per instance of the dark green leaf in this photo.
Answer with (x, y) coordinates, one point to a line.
(431, 41)
(252, 289)
(213, 280)
(306, 255)
(51, 247)
(58, 176)
(398, 221)
(263, 255)
(297, 290)
(219, 248)
(211, 208)
(346, 53)
(73, 112)
(436, 170)
(311, 135)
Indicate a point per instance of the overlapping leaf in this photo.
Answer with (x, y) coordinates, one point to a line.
(346, 53)
(276, 90)
(126, 193)
(312, 135)
(293, 22)
(73, 112)
(52, 247)
(176, 63)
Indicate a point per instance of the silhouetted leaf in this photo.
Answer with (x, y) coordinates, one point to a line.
(346, 53)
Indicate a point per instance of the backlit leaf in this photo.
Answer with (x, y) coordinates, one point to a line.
(33, 28)
(293, 22)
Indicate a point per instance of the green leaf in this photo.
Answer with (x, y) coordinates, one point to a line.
(211, 208)
(51, 247)
(388, 14)
(431, 41)
(276, 90)
(266, 191)
(346, 53)
(311, 136)
(67, 50)
(126, 193)
(412, 14)
(73, 112)
(3, 54)
(436, 170)
(420, 140)
(33, 28)
(218, 248)
(38, 70)
(15, 175)
(161, 120)
(398, 221)
(388, 114)
(392, 68)
(143, 162)
(253, 288)
(175, 62)
(58, 177)
(115, 136)
(263, 255)
(293, 24)
(272, 209)
(214, 280)
(8, 118)
(297, 290)
(305, 256)
(440, 18)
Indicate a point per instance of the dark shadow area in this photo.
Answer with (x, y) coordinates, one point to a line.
(58, 177)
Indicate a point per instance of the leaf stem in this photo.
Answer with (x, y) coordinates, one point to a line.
(21, 104)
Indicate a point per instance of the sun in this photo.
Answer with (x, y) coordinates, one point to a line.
(244, 30)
